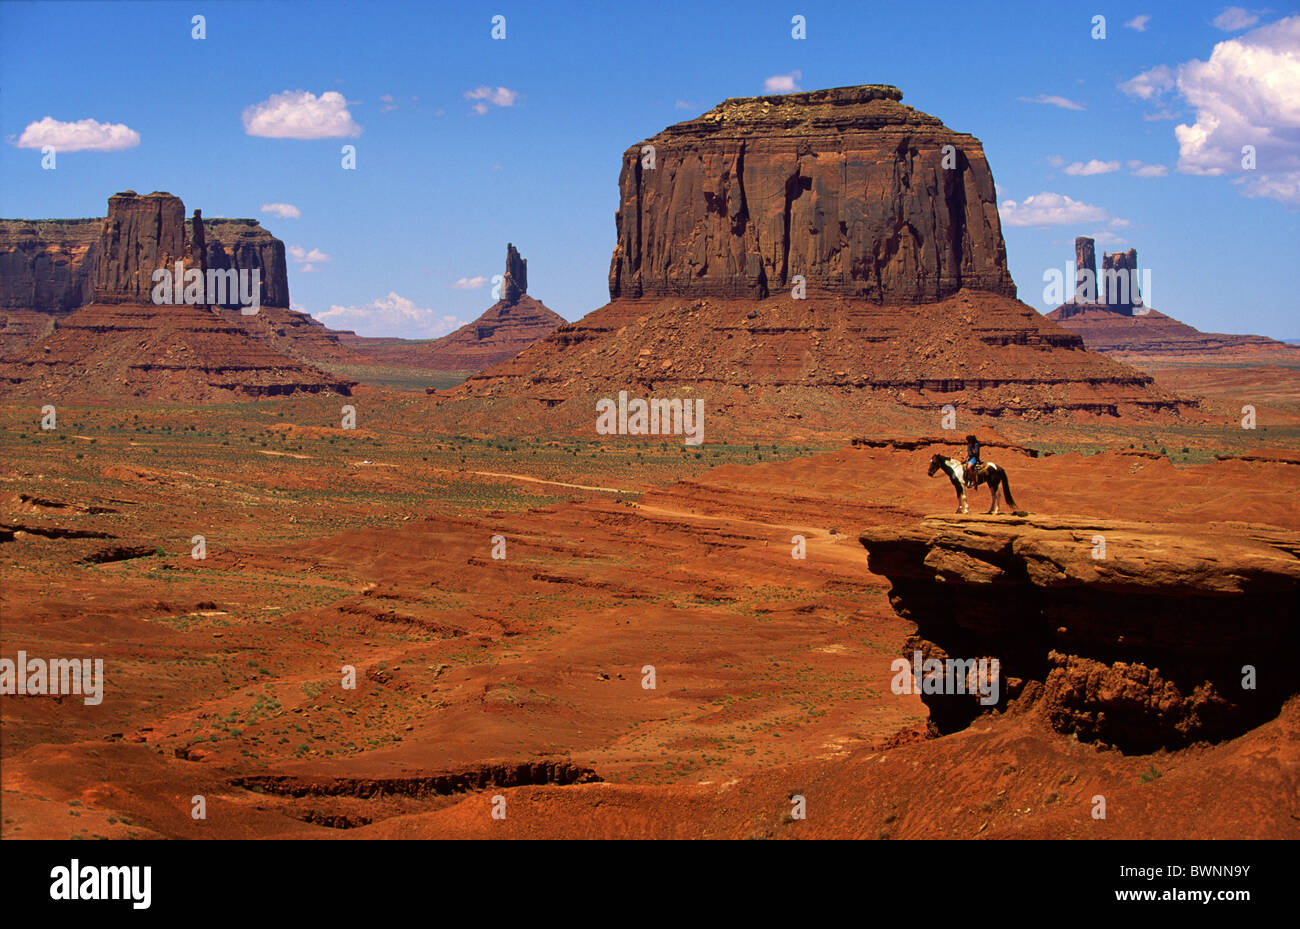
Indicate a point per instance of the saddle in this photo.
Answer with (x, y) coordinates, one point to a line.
(977, 474)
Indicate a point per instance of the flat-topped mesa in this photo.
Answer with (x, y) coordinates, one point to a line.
(515, 282)
(52, 267)
(848, 188)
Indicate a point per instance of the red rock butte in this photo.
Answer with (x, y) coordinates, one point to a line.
(81, 323)
(51, 267)
(794, 260)
(848, 188)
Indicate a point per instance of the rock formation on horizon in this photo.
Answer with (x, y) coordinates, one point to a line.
(53, 266)
(139, 235)
(509, 326)
(890, 218)
(857, 193)
(120, 343)
(1115, 320)
(1115, 289)
(514, 283)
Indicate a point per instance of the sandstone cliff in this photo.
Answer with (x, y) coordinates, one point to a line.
(84, 325)
(47, 264)
(849, 188)
(49, 268)
(243, 244)
(139, 235)
(1141, 644)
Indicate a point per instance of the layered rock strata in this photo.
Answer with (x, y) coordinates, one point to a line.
(1130, 634)
(846, 188)
(50, 268)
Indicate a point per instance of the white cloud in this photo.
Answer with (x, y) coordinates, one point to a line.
(1080, 169)
(1247, 93)
(1138, 23)
(307, 260)
(1051, 100)
(282, 210)
(1055, 160)
(1138, 169)
(1105, 238)
(297, 114)
(486, 97)
(1281, 187)
(388, 104)
(1049, 209)
(1150, 84)
(85, 135)
(470, 283)
(782, 83)
(1234, 18)
(391, 315)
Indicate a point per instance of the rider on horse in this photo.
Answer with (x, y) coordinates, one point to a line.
(972, 459)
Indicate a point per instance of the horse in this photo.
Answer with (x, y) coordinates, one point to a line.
(990, 474)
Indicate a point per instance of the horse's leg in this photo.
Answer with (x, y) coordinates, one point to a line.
(993, 491)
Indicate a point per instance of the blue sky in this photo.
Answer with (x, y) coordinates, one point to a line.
(440, 187)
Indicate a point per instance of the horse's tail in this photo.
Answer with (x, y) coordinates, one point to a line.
(1006, 489)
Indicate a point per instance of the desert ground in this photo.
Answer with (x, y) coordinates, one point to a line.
(505, 601)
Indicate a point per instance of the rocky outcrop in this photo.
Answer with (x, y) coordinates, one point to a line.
(1109, 314)
(1119, 289)
(1085, 275)
(123, 345)
(47, 264)
(54, 266)
(1130, 634)
(1116, 289)
(509, 326)
(847, 188)
(139, 235)
(514, 284)
(242, 244)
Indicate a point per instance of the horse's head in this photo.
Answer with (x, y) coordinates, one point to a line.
(935, 464)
